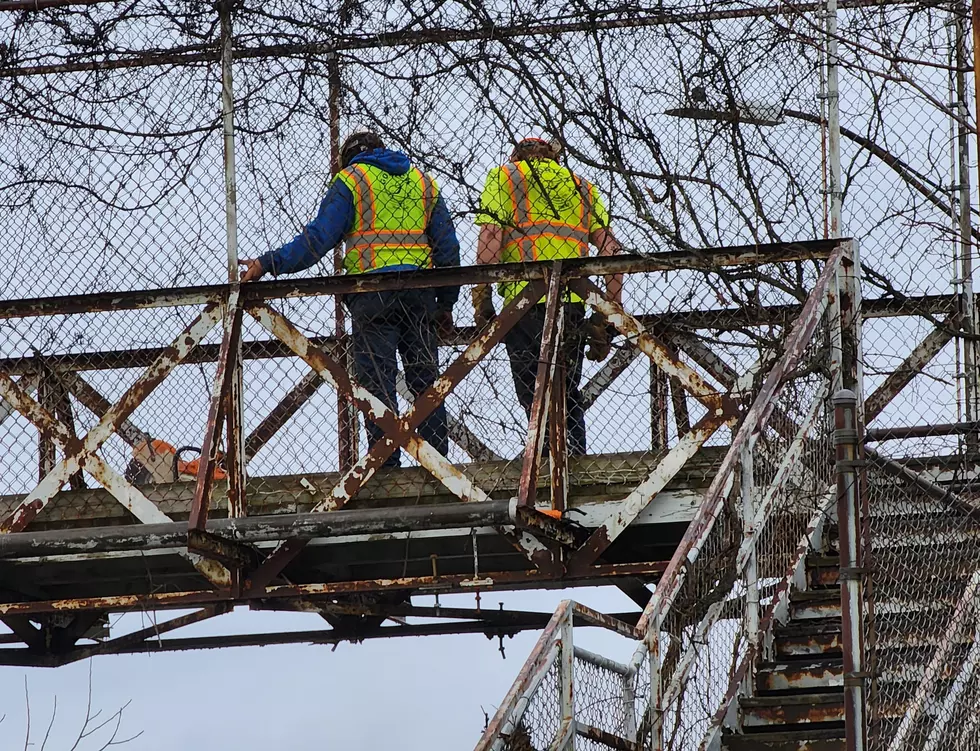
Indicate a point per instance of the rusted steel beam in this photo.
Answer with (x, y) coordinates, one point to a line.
(449, 584)
(141, 357)
(614, 367)
(902, 376)
(640, 498)
(795, 343)
(251, 529)
(847, 444)
(921, 431)
(707, 259)
(235, 459)
(28, 384)
(550, 342)
(45, 445)
(375, 410)
(718, 319)
(650, 345)
(98, 405)
(131, 642)
(81, 453)
(64, 412)
(558, 440)
(678, 399)
(220, 395)
(26, 631)
(659, 395)
(22, 657)
(606, 739)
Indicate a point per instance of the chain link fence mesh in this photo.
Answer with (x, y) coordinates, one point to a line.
(921, 627)
(700, 125)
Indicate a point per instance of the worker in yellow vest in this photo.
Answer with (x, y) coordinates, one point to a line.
(534, 209)
(392, 218)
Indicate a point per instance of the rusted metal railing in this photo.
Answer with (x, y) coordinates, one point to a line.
(706, 623)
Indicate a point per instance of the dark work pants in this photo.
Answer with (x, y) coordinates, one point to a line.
(523, 344)
(403, 322)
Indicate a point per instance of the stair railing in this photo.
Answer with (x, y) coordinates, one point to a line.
(730, 578)
(563, 692)
(727, 583)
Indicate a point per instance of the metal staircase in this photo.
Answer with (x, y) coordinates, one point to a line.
(825, 597)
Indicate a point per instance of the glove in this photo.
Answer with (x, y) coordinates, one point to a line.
(445, 327)
(599, 338)
(483, 312)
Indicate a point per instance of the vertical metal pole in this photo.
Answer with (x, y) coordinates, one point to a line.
(228, 128)
(846, 442)
(234, 407)
(45, 446)
(540, 407)
(347, 426)
(967, 304)
(655, 708)
(629, 706)
(567, 667)
(558, 436)
(833, 120)
(751, 576)
(658, 408)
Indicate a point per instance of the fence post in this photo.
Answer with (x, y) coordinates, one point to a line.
(234, 402)
(347, 415)
(846, 437)
(655, 710)
(751, 576)
(566, 666)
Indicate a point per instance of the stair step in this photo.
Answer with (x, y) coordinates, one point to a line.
(808, 638)
(797, 709)
(822, 570)
(815, 604)
(800, 675)
(809, 739)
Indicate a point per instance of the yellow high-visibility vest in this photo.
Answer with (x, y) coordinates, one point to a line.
(391, 213)
(553, 211)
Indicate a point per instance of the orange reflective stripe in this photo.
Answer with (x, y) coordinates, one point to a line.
(428, 196)
(525, 230)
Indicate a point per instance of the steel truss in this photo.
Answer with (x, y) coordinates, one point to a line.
(260, 557)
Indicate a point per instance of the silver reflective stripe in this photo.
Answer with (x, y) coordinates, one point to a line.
(555, 230)
(364, 194)
(387, 237)
(521, 213)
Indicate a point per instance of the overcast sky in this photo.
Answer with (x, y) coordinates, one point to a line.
(418, 694)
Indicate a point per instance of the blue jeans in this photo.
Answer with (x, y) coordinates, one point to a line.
(398, 322)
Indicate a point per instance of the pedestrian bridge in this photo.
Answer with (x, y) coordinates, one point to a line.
(219, 460)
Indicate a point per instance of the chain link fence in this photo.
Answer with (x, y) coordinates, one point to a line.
(921, 623)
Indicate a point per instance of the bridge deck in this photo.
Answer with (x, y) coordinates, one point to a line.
(362, 562)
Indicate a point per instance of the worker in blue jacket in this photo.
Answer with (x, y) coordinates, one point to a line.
(391, 217)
